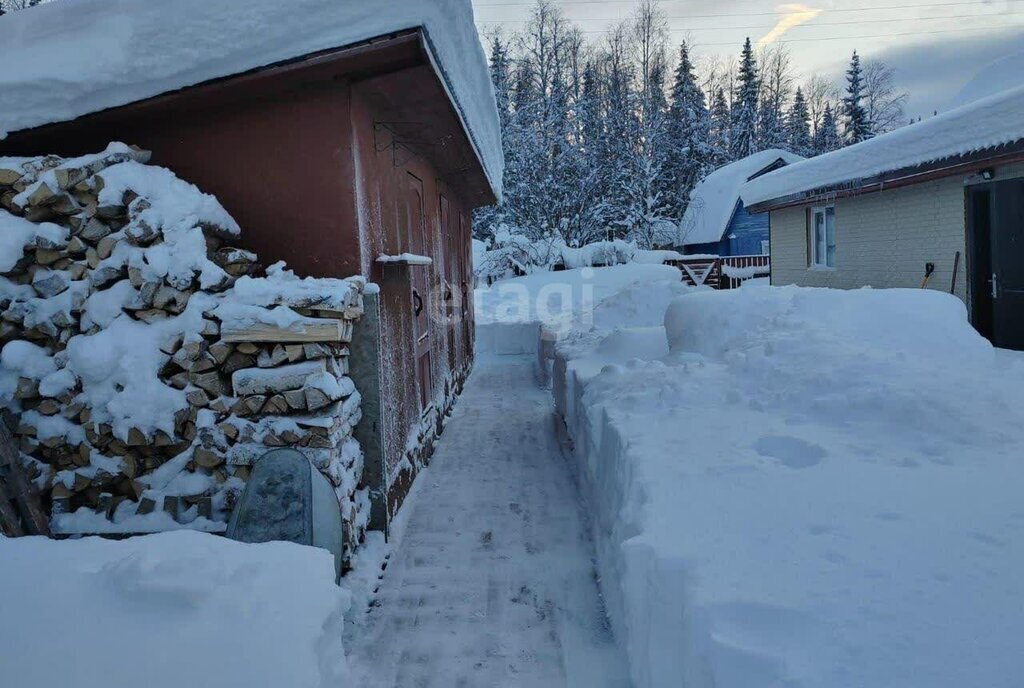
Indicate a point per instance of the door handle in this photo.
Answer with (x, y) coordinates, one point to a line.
(418, 301)
(995, 287)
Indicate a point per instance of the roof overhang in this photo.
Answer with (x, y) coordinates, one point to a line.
(361, 61)
(959, 165)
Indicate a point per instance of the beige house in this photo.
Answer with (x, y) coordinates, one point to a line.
(939, 203)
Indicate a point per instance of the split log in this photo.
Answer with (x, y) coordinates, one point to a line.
(272, 358)
(207, 458)
(10, 176)
(301, 331)
(275, 380)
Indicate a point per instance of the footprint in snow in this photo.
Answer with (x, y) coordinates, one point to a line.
(790, 451)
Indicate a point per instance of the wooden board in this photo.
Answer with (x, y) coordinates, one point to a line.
(23, 491)
(10, 524)
(306, 330)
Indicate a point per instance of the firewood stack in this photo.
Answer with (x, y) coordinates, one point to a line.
(243, 360)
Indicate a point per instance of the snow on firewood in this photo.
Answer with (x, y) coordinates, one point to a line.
(125, 317)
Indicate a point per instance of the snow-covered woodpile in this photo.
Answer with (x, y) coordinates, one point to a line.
(147, 361)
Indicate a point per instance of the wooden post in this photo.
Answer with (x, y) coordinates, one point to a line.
(24, 492)
(10, 524)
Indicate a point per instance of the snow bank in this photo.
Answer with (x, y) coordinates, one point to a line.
(102, 613)
(981, 125)
(713, 201)
(510, 313)
(811, 488)
(138, 49)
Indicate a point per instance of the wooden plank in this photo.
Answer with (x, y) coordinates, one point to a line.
(10, 524)
(23, 491)
(304, 331)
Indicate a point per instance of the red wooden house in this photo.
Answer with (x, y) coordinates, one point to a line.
(337, 134)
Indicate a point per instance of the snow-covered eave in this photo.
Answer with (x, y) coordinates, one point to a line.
(442, 76)
(936, 169)
(493, 177)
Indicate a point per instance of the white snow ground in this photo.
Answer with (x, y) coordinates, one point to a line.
(169, 610)
(492, 583)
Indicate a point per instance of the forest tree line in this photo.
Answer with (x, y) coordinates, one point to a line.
(607, 139)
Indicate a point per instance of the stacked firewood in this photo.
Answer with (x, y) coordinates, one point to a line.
(256, 367)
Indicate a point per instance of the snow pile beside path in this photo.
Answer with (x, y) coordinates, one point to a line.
(510, 313)
(814, 488)
(139, 49)
(551, 297)
(103, 613)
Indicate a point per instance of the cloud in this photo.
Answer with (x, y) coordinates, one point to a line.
(795, 16)
(934, 72)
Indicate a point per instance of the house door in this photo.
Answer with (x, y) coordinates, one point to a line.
(417, 241)
(996, 217)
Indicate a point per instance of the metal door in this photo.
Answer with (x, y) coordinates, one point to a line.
(417, 241)
(1008, 264)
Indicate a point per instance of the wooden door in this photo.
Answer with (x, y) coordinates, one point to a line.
(449, 284)
(464, 249)
(417, 242)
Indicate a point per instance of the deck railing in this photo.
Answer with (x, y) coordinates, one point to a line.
(721, 272)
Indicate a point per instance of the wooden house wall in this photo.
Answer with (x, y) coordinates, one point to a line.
(387, 175)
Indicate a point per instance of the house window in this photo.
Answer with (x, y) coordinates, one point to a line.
(823, 237)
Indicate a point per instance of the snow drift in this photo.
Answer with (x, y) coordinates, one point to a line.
(239, 615)
(805, 488)
(511, 313)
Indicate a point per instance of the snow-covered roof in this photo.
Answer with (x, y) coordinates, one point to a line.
(982, 125)
(67, 59)
(713, 201)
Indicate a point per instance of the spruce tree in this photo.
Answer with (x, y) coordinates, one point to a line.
(798, 133)
(826, 138)
(689, 154)
(721, 129)
(745, 111)
(856, 124)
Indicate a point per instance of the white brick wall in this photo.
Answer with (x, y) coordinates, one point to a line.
(883, 239)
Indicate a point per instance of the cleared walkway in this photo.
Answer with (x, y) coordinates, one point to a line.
(493, 582)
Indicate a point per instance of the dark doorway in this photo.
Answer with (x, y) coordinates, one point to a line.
(979, 219)
(995, 215)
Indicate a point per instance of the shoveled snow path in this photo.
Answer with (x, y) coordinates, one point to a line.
(493, 581)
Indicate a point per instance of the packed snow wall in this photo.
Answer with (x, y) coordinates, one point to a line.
(147, 362)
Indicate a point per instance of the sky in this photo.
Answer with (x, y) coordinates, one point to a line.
(937, 47)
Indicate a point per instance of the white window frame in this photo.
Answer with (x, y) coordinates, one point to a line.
(822, 258)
